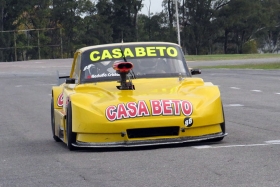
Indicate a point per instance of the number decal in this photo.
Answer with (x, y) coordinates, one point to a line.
(188, 122)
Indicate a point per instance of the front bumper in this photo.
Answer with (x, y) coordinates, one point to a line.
(160, 141)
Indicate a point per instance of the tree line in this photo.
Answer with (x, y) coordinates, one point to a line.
(32, 29)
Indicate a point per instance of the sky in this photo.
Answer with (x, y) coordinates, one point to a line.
(154, 8)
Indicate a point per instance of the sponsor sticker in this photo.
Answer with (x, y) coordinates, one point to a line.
(163, 107)
(146, 51)
(60, 100)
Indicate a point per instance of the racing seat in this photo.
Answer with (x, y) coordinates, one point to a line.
(162, 66)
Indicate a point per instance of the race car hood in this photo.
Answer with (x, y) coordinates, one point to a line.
(148, 98)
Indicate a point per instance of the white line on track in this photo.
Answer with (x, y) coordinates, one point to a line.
(271, 142)
(256, 90)
(277, 93)
(233, 105)
(235, 88)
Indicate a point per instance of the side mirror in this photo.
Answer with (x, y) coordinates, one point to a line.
(195, 71)
(70, 81)
(61, 79)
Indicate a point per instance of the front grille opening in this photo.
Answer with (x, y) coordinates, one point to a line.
(152, 132)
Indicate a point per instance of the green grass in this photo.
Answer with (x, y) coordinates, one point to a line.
(273, 65)
(229, 57)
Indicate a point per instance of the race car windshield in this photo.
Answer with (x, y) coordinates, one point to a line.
(148, 61)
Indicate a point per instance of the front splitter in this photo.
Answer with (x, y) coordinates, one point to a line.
(142, 143)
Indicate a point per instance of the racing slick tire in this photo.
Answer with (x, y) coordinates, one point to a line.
(56, 138)
(71, 136)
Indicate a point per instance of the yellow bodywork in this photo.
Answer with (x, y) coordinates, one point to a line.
(104, 116)
(89, 103)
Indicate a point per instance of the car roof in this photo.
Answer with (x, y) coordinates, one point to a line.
(123, 44)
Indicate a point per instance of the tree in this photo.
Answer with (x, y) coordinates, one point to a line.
(199, 27)
(11, 10)
(124, 19)
(240, 20)
(268, 35)
(169, 10)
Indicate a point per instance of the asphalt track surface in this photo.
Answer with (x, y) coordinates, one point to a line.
(247, 157)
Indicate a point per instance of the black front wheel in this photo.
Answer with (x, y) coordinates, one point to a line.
(71, 136)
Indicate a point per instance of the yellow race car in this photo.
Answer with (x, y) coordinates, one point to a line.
(134, 94)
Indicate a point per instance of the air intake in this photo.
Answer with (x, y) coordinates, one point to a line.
(152, 132)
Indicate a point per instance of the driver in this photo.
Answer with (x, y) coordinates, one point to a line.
(150, 65)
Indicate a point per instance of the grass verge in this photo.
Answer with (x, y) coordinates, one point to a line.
(274, 65)
(229, 57)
